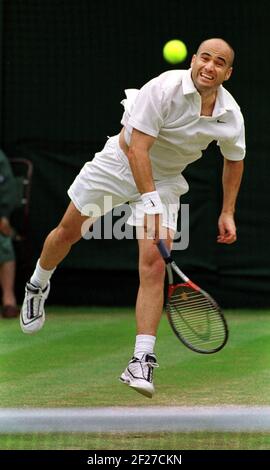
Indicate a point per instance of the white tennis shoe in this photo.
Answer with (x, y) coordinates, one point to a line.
(139, 374)
(32, 316)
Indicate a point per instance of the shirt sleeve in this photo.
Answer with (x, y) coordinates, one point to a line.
(234, 149)
(147, 112)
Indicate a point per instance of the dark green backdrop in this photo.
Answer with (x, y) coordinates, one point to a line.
(64, 67)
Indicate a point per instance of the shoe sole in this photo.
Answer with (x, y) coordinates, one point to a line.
(140, 389)
(25, 327)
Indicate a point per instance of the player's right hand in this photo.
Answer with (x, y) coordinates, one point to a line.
(152, 226)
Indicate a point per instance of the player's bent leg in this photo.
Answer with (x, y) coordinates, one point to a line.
(60, 240)
(55, 249)
(139, 372)
(150, 298)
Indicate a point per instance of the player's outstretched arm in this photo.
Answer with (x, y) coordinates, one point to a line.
(231, 180)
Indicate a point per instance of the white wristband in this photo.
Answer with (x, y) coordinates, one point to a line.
(152, 203)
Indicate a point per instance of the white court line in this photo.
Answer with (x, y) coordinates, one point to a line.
(132, 419)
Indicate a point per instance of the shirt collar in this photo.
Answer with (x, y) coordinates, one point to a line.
(222, 105)
(187, 84)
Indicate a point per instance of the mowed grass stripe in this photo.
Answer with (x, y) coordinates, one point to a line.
(117, 441)
(78, 356)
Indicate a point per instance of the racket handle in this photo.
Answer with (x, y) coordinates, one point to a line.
(164, 251)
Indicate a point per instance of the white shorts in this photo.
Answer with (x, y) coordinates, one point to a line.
(107, 182)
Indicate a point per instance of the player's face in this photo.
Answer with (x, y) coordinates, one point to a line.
(211, 66)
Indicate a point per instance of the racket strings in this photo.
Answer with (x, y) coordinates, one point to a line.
(196, 319)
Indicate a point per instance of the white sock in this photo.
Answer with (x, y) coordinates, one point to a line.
(41, 276)
(144, 344)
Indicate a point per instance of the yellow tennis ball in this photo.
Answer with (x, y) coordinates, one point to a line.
(175, 51)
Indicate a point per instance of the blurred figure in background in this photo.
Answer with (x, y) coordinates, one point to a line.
(7, 255)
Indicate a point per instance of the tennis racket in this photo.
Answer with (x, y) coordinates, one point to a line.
(194, 316)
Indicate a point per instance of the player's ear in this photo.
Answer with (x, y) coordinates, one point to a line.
(193, 59)
(228, 73)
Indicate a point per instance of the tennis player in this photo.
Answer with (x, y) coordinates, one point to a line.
(166, 125)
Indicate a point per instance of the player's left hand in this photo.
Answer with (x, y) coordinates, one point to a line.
(227, 228)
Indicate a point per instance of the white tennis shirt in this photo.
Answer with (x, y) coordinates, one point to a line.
(168, 107)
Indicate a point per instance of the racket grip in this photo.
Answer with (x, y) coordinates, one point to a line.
(164, 251)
